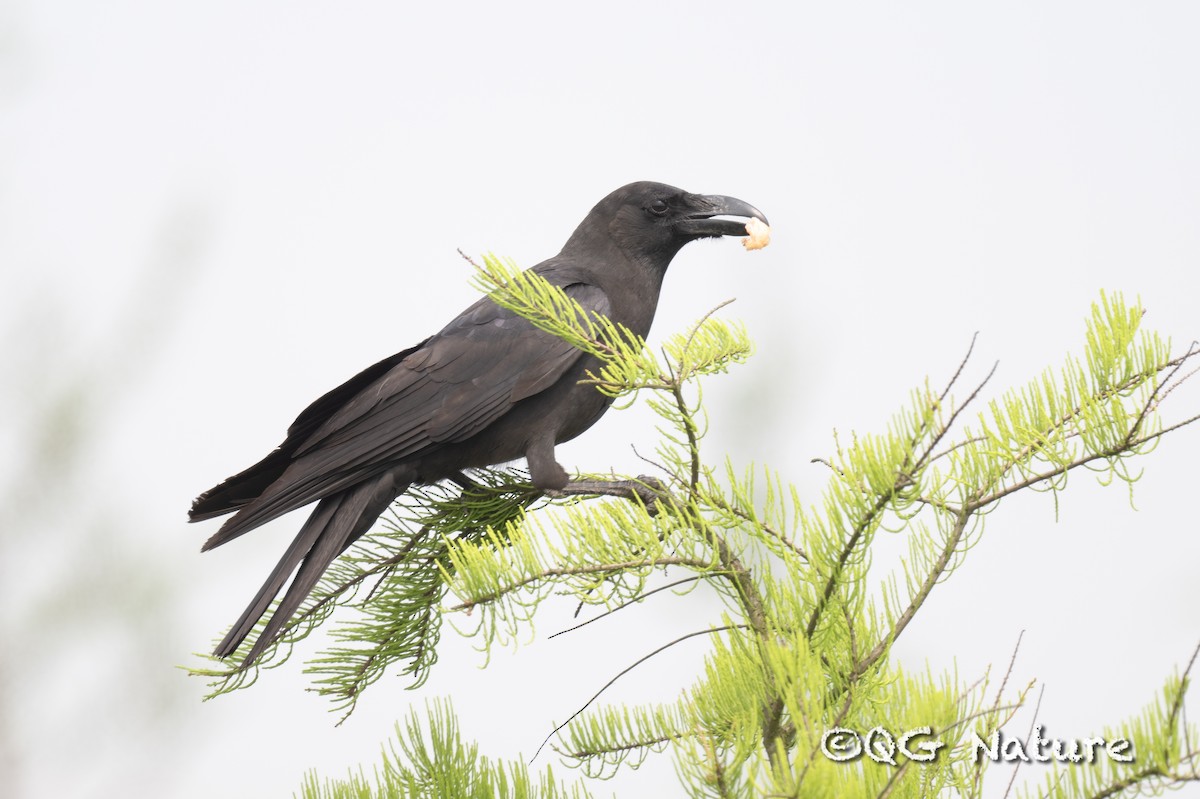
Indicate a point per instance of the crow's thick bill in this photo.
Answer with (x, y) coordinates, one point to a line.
(488, 388)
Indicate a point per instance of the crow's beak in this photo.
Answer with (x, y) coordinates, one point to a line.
(704, 220)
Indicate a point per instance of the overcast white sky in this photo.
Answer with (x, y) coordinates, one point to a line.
(229, 208)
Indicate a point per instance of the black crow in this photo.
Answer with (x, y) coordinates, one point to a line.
(488, 388)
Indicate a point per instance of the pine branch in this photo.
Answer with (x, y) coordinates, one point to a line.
(799, 647)
(547, 575)
(932, 578)
(903, 478)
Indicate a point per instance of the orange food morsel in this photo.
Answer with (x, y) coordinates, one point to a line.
(758, 234)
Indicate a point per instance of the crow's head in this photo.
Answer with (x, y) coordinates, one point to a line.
(654, 220)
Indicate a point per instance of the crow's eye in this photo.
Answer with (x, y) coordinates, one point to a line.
(658, 208)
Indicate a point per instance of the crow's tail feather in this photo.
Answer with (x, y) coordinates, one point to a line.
(240, 489)
(336, 523)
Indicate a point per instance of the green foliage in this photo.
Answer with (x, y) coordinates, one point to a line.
(802, 645)
(433, 761)
(394, 577)
(1160, 741)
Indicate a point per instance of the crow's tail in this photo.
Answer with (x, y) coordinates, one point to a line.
(336, 523)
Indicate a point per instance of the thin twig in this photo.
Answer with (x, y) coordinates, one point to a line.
(935, 574)
(625, 671)
(699, 322)
(926, 456)
(1155, 398)
(720, 503)
(1177, 705)
(624, 605)
(1012, 779)
(1192, 350)
(594, 568)
(1012, 662)
(832, 468)
(468, 258)
(650, 461)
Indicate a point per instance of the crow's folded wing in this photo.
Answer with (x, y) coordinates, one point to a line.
(444, 391)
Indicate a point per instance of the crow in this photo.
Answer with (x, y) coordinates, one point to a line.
(487, 389)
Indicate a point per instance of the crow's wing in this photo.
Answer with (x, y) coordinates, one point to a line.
(450, 388)
(246, 485)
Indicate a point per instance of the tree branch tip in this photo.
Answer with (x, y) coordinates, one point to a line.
(467, 258)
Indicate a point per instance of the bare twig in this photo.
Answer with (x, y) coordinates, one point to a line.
(926, 456)
(1177, 705)
(1012, 662)
(633, 601)
(700, 322)
(625, 671)
(1012, 779)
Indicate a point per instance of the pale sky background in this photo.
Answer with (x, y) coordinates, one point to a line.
(212, 213)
